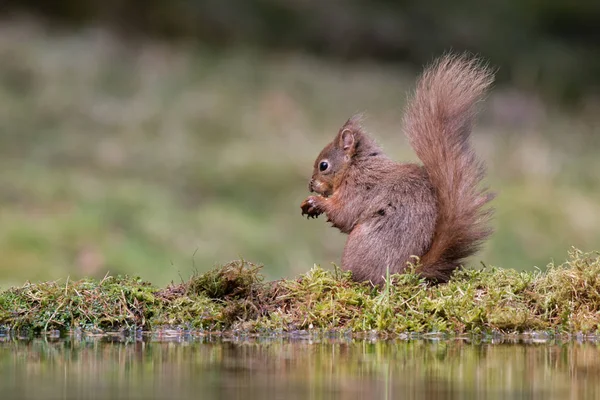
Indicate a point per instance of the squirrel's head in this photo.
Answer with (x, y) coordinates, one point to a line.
(336, 159)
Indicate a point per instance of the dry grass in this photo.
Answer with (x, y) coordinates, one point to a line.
(563, 299)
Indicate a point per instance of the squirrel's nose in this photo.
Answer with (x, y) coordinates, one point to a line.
(310, 185)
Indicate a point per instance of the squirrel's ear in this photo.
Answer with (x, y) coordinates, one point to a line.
(347, 141)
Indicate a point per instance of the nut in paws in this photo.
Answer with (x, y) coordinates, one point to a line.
(310, 207)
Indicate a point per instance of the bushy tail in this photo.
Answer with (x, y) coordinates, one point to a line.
(438, 123)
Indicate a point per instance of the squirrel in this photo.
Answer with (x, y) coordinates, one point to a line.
(395, 211)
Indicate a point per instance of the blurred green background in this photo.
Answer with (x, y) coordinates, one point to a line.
(161, 138)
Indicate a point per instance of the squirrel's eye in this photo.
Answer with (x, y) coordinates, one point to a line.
(323, 165)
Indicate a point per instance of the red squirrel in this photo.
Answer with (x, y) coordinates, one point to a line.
(394, 211)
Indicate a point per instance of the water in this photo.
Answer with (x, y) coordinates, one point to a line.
(160, 367)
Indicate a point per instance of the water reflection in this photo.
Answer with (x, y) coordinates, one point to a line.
(204, 367)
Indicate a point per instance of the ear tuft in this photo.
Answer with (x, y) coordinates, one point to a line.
(347, 140)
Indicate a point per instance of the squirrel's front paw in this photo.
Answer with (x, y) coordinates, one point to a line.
(310, 207)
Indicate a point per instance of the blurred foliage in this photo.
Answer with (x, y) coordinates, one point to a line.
(156, 159)
(550, 45)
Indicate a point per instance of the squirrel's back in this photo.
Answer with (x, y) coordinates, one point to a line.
(438, 122)
(393, 211)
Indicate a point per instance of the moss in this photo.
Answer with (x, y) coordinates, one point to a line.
(563, 299)
(231, 281)
(112, 303)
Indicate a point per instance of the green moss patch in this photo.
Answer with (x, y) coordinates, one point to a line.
(563, 299)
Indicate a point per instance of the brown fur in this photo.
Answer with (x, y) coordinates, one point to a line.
(394, 211)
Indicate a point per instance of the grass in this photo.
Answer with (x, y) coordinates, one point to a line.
(563, 299)
(159, 159)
